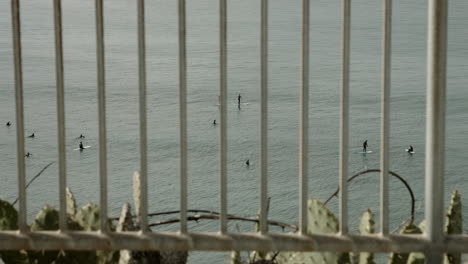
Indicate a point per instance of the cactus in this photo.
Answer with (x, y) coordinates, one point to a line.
(8, 216)
(416, 258)
(454, 225)
(402, 258)
(71, 203)
(236, 257)
(126, 221)
(46, 219)
(320, 221)
(9, 221)
(367, 226)
(137, 194)
(88, 217)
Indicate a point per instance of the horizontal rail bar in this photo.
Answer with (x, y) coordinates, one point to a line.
(52, 240)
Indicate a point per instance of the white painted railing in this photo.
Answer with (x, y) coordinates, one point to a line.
(433, 243)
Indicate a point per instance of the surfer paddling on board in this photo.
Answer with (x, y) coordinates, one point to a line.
(81, 136)
(410, 149)
(364, 146)
(81, 145)
(31, 136)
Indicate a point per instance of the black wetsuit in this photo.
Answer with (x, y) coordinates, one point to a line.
(239, 99)
(81, 146)
(364, 146)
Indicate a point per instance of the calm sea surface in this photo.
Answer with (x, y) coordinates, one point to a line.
(408, 103)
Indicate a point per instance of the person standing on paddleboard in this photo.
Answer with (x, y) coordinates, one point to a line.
(81, 145)
(364, 146)
(238, 100)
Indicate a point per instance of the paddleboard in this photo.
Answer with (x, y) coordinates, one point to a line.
(85, 147)
(412, 152)
(362, 152)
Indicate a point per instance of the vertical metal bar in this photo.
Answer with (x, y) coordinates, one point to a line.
(16, 30)
(60, 114)
(223, 113)
(435, 127)
(304, 120)
(101, 113)
(143, 119)
(264, 118)
(344, 115)
(183, 116)
(385, 112)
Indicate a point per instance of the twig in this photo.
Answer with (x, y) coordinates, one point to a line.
(413, 200)
(35, 177)
(175, 212)
(230, 217)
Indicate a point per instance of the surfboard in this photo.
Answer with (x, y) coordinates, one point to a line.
(362, 152)
(412, 152)
(85, 147)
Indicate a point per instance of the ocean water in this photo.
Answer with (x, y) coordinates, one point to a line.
(408, 104)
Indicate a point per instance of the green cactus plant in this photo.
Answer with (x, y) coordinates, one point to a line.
(137, 194)
(320, 221)
(88, 217)
(236, 257)
(46, 219)
(402, 258)
(367, 226)
(416, 258)
(8, 216)
(454, 224)
(71, 203)
(9, 221)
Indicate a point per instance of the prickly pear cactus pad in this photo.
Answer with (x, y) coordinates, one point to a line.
(454, 224)
(71, 203)
(8, 216)
(88, 217)
(320, 221)
(367, 226)
(46, 219)
(402, 258)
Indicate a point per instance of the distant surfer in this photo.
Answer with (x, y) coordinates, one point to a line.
(81, 145)
(247, 163)
(239, 100)
(8, 124)
(81, 136)
(28, 155)
(410, 149)
(214, 122)
(31, 136)
(364, 146)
